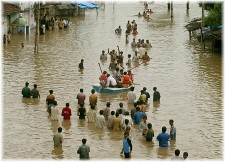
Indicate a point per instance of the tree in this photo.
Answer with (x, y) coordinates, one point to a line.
(214, 17)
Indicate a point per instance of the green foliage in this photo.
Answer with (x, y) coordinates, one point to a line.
(207, 5)
(214, 17)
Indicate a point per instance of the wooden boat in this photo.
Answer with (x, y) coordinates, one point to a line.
(98, 88)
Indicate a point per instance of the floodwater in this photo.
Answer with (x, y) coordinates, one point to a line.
(188, 77)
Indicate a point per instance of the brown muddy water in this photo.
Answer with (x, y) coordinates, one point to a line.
(188, 77)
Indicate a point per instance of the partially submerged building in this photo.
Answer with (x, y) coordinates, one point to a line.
(212, 36)
(10, 13)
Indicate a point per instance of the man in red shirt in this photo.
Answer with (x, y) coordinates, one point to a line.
(66, 111)
(103, 78)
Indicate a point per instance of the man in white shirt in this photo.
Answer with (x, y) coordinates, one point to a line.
(133, 44)
(110, 120)
(64, 22)
(100, 120)
(135, 57)
(54, 111)
(127, 116)
(131, 96)
(111, 82)
(141, 51)
(91, 114)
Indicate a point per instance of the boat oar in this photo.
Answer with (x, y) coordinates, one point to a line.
(118, 49)
(136, 66)
(122, 66)
(100, 88)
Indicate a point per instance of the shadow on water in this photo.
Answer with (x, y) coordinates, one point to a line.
(30, 101)
(66, 124)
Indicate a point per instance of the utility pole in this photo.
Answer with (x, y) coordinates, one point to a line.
(37, 17)
(188, 5)
(202, 24)
(168, 5)
(171, 9)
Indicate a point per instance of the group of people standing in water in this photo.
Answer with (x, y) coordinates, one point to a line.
(130, 27)
(146, 14)
(120, 119)
(110, 117)
(53, 23)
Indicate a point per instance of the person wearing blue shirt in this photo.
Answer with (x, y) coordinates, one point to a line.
(163, 138)
(127, 146)
(138, 116)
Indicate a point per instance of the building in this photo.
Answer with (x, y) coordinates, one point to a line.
(9, 15)
(15, 13)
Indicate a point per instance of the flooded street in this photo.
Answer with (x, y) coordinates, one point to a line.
(188, 77)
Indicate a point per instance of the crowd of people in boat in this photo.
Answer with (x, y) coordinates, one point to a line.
(119, 77)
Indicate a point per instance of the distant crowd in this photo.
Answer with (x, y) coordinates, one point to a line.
(53, 24)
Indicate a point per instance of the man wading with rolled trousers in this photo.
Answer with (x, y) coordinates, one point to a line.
(127, 146)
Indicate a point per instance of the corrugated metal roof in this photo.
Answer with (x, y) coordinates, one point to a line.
(85, 4)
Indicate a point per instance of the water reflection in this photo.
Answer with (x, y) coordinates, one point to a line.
(156, 105)
(54, 126)
(81, 71)
(163, 153)
(57, 153)
(66, 124)
(30, 101)
(172, 144)
(82, 123)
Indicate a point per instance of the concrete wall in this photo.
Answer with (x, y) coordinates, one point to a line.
(6, 21)
(29, 16)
